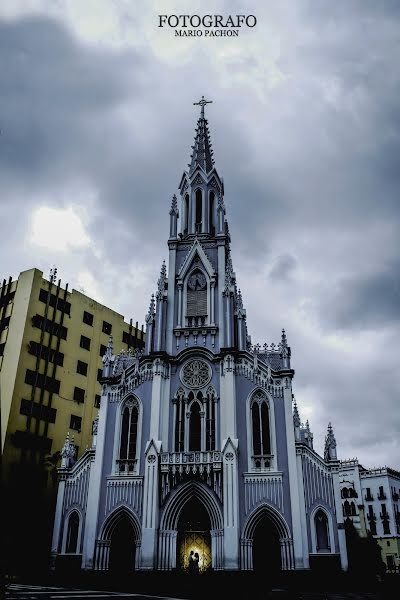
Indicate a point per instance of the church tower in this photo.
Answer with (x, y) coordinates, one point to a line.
(198, 447)
(198, 304)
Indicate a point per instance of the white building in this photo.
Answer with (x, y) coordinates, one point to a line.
(198, 445)
(370, 498)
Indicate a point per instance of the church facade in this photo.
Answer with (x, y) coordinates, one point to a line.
(198, 446)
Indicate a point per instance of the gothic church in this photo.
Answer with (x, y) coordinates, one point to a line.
(198, 445)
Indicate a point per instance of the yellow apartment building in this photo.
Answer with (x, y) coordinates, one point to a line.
(51, 346)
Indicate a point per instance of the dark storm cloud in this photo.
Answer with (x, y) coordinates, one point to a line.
(310, 157)
(367, 302)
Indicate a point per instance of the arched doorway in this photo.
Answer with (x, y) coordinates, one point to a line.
(266, 547)
(122, 547)
(194, 535)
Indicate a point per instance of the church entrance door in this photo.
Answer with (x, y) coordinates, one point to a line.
(123, 547)
(194, 536)
(266, 547)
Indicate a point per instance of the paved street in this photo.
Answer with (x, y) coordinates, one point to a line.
(34, 592)
(31, 592)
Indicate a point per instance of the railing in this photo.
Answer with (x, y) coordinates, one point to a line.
(262, 462)
(196, 321)
(126, 466)
(395, 496)
(371, 517)
(384, 516)
(369, 497)
(382, 497)
(188, 460)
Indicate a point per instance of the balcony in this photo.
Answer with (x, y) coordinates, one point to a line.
(371, 516)
(384, 516)
(126, 466)
(382, 497)
(262, 462)
(177, 467)
(395, 496)
(369, 497)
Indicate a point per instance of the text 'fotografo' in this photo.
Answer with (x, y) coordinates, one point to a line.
(207, 25)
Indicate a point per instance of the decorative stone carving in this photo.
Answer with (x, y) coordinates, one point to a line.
(196, 374)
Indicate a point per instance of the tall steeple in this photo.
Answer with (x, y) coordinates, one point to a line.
(201, 188)
(202, 152)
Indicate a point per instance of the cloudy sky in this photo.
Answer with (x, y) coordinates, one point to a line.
(97, 119)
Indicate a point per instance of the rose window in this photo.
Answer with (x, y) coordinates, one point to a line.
(196, 374)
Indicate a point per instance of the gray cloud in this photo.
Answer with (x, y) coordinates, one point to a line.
(307, 139)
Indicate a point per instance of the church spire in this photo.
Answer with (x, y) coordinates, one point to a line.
(202, 152)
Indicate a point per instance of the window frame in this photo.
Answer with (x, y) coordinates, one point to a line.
(117, 438)
(272, 434)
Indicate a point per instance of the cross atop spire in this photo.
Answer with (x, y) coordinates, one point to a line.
(202, 103)
(202, 152)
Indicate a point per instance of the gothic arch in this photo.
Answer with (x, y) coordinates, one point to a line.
(67, 519)
(331, 537)
(249, 528)
(114, 518)
(249, 428)
(179, 497)
(104, 542)
(117, 431)
(258, 513)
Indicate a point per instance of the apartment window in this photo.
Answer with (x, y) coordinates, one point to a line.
(38, 411)
(386, 527)
(55, 302)
(81, 367)
(41, 381)
(381, 495)
(103, 349)
(45, 325)
(75, 423)
(99, 374)
(107, 327)
(79, 394)
(88, 318)
(4, 323)
(2, 346)
(368, 495)
(46, 353)
(97, 401)
(85, 342)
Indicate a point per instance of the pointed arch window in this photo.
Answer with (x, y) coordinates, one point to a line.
(128, 440)
(195, 426)
(186, 230)
(322, 531)
(261, 434)
(71, 545)
(180, 421)
(211, 214)
(199, 210)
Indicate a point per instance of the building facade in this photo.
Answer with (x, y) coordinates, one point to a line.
(51, 346)
(370, 499)
(198, 447)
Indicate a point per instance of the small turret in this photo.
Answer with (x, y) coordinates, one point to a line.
(108, 359)
(150, 317)
(285, 351)
(174, 215)
(330, 445)
(296, 421)
(68, 453)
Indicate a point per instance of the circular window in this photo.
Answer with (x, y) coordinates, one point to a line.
(196, 374)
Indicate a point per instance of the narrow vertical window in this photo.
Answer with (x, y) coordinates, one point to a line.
(72, 533)
(199, 210)
(186, 213)
(128, 439)
(195, 427)
(322, 531)
(261, 435)
(211, 214)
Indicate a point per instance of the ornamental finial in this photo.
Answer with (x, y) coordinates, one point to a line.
(202, 103)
